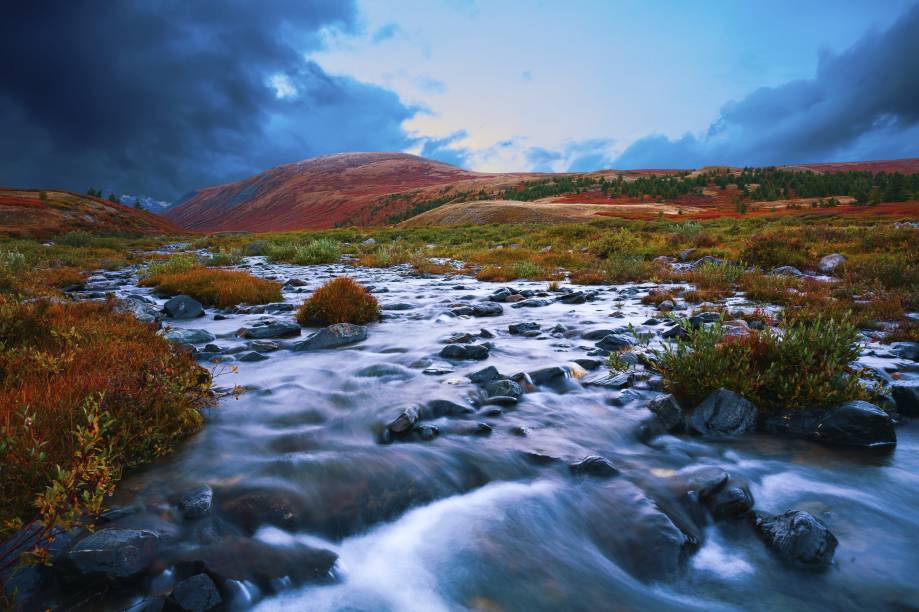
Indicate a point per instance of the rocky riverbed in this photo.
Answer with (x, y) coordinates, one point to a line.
(472, 451)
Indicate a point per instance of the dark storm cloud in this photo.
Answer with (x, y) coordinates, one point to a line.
(863, 103)
(159, 97)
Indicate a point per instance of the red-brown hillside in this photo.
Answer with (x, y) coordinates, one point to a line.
(343, 189)
(30, 213)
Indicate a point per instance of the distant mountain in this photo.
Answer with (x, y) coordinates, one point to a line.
(146, 203)
(30, 213)
(363, 189)
(343, 189)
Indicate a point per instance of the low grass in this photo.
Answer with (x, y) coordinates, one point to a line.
(320, 250)
(225, 257)
(213, 287)
(806, 366)
(85, 392)
(341, 300)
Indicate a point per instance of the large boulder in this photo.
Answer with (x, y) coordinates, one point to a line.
(110, 553)
(339, 334)
(183, 307)
(906, 395)
(189, 336)
(274, 329)
(829, 263)
(723, 413)
(487, 309)
(668, 411)
(138, 306)
(798, 537)
(857, 423)
(195, 594)
(461, 352)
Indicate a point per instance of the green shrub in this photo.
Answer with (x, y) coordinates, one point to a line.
(318, 251)
(617, 242)
(174, 265)
(225, 257)
(805, 366)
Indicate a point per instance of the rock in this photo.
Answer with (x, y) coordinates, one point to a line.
(608, 380)
(263, 346)
(787, 271)
(698, 320)
(435, 409)
(729, 501)
(906, 396)
(459, 352)
(183, 307)
(531, 303)
(403, 424)
(798, 537)
(666, 305)
(275, 329)
(795, 423)
(684, 255)
(196, 502)
(857, 423)
(487, 309)
(484, 375)
(110, 553)
(520, 328)
(189, 336)
(252, 356)
(589, 364)
(706, 260)
(723, 413)
(195, 594)
(279, 307)
(668, 411)
(369, 242)
(906, 350)
(676, 331)
(461, 338)
(615, 342)
(397, 306)
(577, 297)
(503, 387)
(339, 334)
(254, 508)
(594, 466)
(502, 400)
(140, 308)
(544, 376)
(596, 334)
(829, 263)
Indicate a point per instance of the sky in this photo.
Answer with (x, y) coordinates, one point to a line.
(160, 97)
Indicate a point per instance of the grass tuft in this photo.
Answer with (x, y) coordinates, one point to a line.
(212, 287)
(341, 300)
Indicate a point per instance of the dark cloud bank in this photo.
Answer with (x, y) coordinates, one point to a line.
(862, 104)
(159, 97)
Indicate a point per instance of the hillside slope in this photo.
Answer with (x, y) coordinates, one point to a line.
(343, 189)
(24, 213)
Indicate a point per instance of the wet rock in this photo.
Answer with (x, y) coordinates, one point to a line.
(906, 396)
(252, 356)
(402, 425)
(487, 309)
(798, 537)
(251, 509)
(577, 297)
(397, 306)
(339, 334)
(279, 307)
(723, 413)
(426, 432)
(275, 329)
(666, 305)
(531, 303)
(484, 375)
(435, 409)
(906, 350)
(597, 334)
(594, 465)
(698, 320)
(615, 342)
(437, 370)
(502, 400)
(196, 502)
(787, 271)
(195, 594)
(484, 333)
(461, 352)
(668, 412)
(544, 376)
(504, 387)
(501, 294)
(589, 364)
(492, 411)
(140, 308)
(521, 328)
(706, 260)
(676, 331)
(460, 338)
(264, 346)
(189, 336)
(461, 311)
(794, 423)
(608, 380)
(183, 307)
(731, 500)
(519, 431)
(829, 263)
(111, 554)
(857, 423)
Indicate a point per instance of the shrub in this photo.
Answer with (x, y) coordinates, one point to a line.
(225, 257)
(85, 391)
(627, 268)
(618, 242)
(588, 277)
(773, 249)
(212, 287)
(173, 265)
(318, 251)
(340, 300)
(807, 366)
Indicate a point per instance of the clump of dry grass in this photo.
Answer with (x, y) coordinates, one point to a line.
(341, 300)
(212, 287)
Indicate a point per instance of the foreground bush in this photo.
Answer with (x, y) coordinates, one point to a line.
(807, 366)
(341, 300)
(221, 288)
(85, 391)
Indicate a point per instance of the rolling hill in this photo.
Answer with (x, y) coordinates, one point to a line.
(30, 213)
(362, 189)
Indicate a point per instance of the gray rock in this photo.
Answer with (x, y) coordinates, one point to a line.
(274, 329)
(110, 553)
(829, 263)
(403, 424)
(906, 395)
(615, 342)
(798, 537)
(545, 376)
(608, 380)
(487, 309)
(140, 308)
(787, 271)
(189, 336)
(531, 303)
(723, 413)
(520, 328)
(484, 375)
(857, 423)
(339, 334)
(906, 350)
(252, 357)
(183, 307)
(195, 594)
(668, 411)
(264, 346)
(503, 387)
(460, 352)
(196, 502)
(593, 465)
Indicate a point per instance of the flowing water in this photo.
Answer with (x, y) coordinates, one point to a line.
(471, 520)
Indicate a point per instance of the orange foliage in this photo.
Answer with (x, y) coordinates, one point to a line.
(221, 288)
(340, 300)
